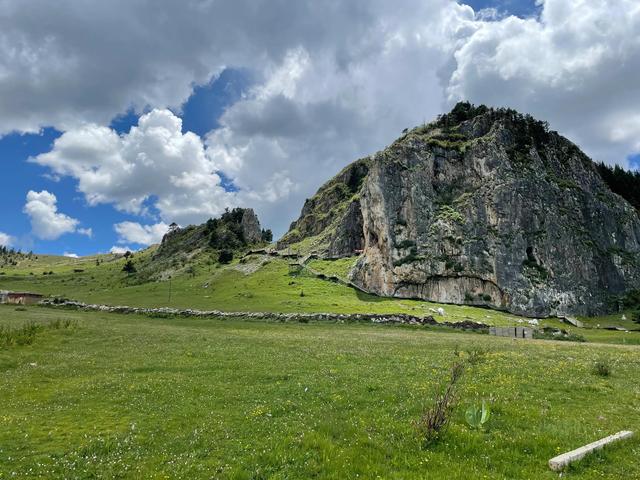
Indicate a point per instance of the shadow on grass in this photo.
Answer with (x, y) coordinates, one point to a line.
(368, 297)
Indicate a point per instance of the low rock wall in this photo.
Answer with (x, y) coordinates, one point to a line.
(284, 317)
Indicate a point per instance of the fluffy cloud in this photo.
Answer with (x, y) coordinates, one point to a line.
(155, 164)
(6, 240)
(575, 66)
(334, 82)
(83, 61)
(70, 255)
(141, 234)
(46, 222)
(118, 250)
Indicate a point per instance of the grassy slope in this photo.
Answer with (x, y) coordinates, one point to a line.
(136, 397)
(268, 288)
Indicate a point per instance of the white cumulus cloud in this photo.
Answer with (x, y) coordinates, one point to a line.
(118, 250)
(133, 232)
(155, 160)
(46, 222)
(575, 66)
(6, 240)
(70, 255)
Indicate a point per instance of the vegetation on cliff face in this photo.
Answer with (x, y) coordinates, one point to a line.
(623, 182)
(230, 231)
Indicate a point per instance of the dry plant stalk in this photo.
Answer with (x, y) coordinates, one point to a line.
(435, 419)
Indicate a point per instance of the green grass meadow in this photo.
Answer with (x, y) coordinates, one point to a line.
(129, 396)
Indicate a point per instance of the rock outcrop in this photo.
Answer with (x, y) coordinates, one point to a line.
(481, 207)
(234, 229)
(251, 230)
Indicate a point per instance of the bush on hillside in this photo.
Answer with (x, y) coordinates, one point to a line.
(226, 232)
(267, 236)
(129, 267)
(225, 256)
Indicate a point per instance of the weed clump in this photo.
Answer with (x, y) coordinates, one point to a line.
(550, 333)
(26, 334)
(602, 368)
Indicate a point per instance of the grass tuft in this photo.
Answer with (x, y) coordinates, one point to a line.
(602, 368)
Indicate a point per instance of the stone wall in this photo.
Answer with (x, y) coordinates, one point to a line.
(283, 317)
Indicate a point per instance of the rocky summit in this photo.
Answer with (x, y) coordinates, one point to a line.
(482, 207)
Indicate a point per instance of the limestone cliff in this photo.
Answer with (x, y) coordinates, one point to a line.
(482, 206)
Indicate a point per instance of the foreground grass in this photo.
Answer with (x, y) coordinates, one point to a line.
(137, 397)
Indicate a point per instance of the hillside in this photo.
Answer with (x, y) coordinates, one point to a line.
(482, 207)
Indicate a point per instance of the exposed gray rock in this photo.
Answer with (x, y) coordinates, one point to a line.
(251, 227)
(488, 209)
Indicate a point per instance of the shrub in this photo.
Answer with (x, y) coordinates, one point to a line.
(406, 244)
(602, 368)
(225, 256)
(556, 334)
(435, 419)
(129, 267)
(486, 297)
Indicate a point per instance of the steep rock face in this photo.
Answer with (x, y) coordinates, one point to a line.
(251, 227)
(333, 217)
(483, 207)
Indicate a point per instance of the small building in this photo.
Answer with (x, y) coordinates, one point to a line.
(3, 296)
(512, 332)
(23, 298)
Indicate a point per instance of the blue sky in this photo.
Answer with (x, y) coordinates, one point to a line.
(279, 101)
(520, 8)
(199, 114)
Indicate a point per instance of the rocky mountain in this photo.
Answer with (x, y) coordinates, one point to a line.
(235, 229)
(484, 207)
